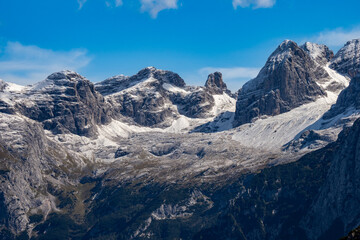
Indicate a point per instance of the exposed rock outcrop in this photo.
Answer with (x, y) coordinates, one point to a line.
(215, 84)
(318, 52)
(337, 206)
(66, 102)
(348, 100)
(347, 59)
(143, 97)
(288, 80)
(155, 98)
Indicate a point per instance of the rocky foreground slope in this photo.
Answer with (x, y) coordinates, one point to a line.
(148, 157)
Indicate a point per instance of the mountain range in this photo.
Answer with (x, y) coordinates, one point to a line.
(149, 157)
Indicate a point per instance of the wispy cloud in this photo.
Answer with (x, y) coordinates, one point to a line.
(81, 3)
(231, 73)
(116, 3)
(253, 3)
(28, 64)
(336, 37)
(153, 7)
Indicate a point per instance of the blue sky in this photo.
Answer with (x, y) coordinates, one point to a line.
(102, 38)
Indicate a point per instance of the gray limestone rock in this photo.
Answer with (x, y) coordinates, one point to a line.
(318, 52)
(288, 80)
(348, 100)
(66, 102)
(347, 59)
(337, 205)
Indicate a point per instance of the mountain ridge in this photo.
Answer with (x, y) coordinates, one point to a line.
(146, 154)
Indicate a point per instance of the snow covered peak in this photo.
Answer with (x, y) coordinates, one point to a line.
(318, 52)
(58, 80)
(66, 74)
(353, 42)
(120, 83)
(151, 68)
(11, 87)
(286, 50)
(347, 59)
(3, 85)
(287, 44)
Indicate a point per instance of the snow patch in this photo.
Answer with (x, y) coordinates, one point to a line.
(174, 89)
(223, 103)
(273, 132)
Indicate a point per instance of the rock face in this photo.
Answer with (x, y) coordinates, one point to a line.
(337, 205)
(72, 167)
(143, 97)
(320, 53)
(29, 163)
(348, 100)
(315, 197)
(118, 83)
(347, 59)
(66, 102)
(353, 235)
(288, 80)
(155, 98)
(215, 84)
(197, 104)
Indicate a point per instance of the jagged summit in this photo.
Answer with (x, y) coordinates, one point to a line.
(3, 85)
(58, 80)
(286, 44)
(289, 79)
(282, 52)
(215, 83)
(119, 83)
(154, 155)
(320, 53)
(347, 59)
(65, 74)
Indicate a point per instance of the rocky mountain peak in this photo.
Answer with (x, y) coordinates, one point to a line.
(318, 52)
(3, 85)
(347, 59)
(162, 75)
(283, 51)
(287, 44)
(215, 83)
(65, 102)
(66, 74)
(59, 81)
(288, 80)
(119, 83)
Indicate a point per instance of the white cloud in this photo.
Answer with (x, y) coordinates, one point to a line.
(116, 3)
(156, 6)
(153, 7)
(232, 73)
(81, 3)
(337, 37)
(254, 3)
(28, 64)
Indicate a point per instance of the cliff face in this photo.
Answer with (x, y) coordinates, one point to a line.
(288, 80)
(155, 98)
(337, 205)
(65, 102)
(347, 62)
(76, 161)
(347, 59)
(348, 100)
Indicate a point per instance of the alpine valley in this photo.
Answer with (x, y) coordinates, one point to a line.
(149, 157)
